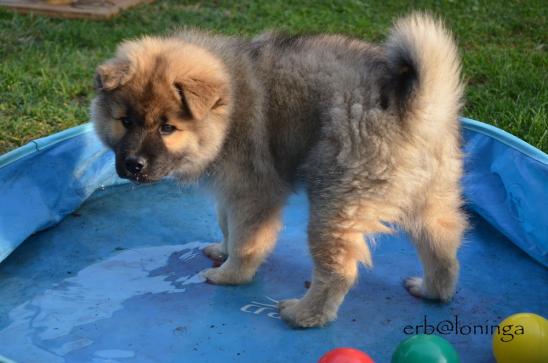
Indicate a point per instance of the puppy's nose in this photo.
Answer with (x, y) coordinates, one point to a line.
(135, 164)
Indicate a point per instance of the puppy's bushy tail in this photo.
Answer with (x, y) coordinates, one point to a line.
(424, 81)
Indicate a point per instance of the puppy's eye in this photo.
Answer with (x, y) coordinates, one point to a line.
(167, 129)
(126, 121)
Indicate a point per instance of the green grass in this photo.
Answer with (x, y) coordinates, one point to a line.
(47, 65)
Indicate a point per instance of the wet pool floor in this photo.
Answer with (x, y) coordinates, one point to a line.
(119, 281)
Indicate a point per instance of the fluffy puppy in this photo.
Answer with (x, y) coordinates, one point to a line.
(370, 131)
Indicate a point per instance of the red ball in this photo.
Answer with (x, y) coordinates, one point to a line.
(345, 355)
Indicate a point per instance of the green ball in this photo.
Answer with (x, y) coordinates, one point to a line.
(424, 348)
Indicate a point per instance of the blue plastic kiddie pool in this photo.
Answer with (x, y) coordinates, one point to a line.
(98, 270)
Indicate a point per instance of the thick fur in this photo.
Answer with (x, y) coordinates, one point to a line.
(370, 131)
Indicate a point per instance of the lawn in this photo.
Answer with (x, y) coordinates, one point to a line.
(46, 65)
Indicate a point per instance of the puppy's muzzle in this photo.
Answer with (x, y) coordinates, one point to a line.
(135, 164)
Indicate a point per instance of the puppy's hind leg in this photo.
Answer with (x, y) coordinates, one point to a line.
(437, 232)
(337, 247)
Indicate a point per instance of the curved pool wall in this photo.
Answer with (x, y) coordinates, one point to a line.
(505, 182)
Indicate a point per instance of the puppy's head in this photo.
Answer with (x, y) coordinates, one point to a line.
(162, 105)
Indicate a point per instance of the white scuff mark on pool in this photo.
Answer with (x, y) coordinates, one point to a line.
(95, 293)
(269, 308)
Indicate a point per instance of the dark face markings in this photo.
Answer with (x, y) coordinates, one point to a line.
(146, 122)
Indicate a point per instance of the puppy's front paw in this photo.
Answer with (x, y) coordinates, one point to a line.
(298, 315)
(226, 276)
(218, 277)
(215, 252)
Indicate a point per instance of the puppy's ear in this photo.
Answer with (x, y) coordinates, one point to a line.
(112, 74)
(199, 97)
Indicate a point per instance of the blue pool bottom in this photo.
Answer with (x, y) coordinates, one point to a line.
(119, 281)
